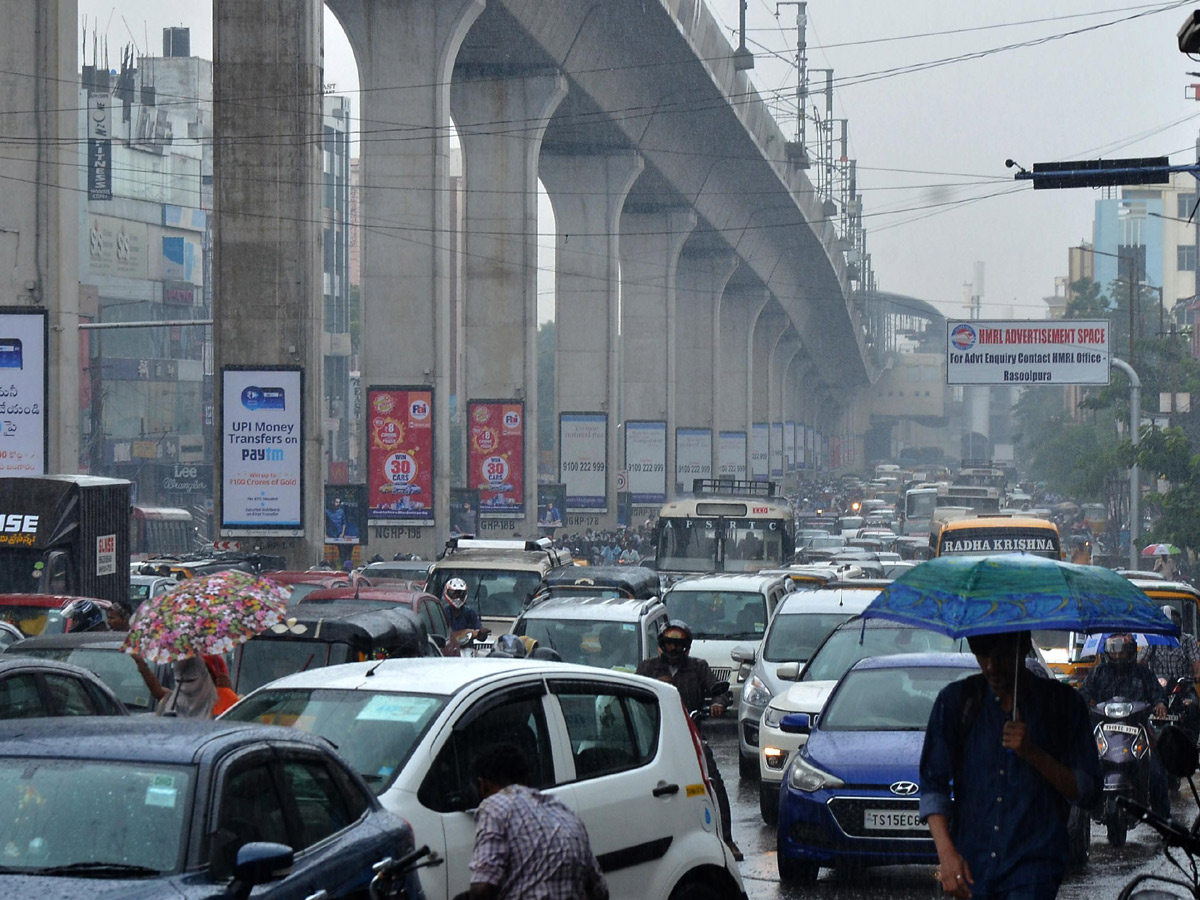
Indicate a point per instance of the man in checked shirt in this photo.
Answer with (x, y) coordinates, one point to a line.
(527, 844)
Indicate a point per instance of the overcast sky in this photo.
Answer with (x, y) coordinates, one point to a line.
(930, 144)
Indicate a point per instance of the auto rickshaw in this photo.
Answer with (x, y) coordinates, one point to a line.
(630, 582)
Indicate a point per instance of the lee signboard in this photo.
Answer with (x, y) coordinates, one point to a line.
(1069, 351)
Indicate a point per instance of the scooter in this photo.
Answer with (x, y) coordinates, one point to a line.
(394, 877)
(1124, 743)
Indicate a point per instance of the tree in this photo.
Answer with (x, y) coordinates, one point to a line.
(1168, 454)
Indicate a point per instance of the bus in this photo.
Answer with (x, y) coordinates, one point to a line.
(156, 530)
(996, 534)
(983, 476)
(726, 526)
(984, 500)
(919, 504)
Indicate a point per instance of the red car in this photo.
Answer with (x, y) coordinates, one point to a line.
(38, 614)
(427, 606)
(304, 583)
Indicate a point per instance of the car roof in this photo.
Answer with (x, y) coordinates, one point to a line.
(47, 601)
(576, 607)
(149, 579)
(1151, 586)
(918, 661)
(398, 596)
(138, 738)
(827, 599)
(313, 576)
(10, 661)
(104, 640)
(444, 676)
(727, 582)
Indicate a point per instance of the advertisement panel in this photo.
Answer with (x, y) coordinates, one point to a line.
(693, 456)
(646, 461)
(731, 455)
(776, 449)
(1020, 352)
(99, 147)
(22, 391)
(400, 454)
(345, 514)
(583, 460)
(760, 452)
(262, 440)
(800, 452)
(464, 511)
(496, 456)
(552, 500)
(789, 446)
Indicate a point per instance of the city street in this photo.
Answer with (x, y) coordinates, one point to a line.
(1105, 875)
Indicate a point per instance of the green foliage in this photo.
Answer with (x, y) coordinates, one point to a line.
(1169, 454)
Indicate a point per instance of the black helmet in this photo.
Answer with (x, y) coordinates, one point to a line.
(1120, 647)
(84, 615)
(675, 642)
(509, 645)
(677, 625)
(547, 653)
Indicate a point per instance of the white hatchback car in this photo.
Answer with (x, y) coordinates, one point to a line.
(617, 748)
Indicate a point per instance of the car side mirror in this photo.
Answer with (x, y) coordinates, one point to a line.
(788, 671)
(744, 653)
(259, 862)
(796, 723)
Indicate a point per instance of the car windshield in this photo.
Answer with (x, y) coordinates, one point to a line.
(138, 593)
(852, 642)
(887, 699)
(114, 668)
(32, 620)
(262, 660)
(720, 615)
(300, 591)
(606, 644)
(794, 636)
(495, 593)
(375, 731)
(66, 811)
(826, 542)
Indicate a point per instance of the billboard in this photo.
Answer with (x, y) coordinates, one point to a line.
(400, 454)
(496, 456)
(345, 514)
(1019, 352)
(22, 391)
(693, 455)
(800, 445)
(464, 511)
(583, 460)
(646, 461)
(731, 454)
(776, 449)
(789, 446)
(760, 451)
(262, 456)
(552, 500)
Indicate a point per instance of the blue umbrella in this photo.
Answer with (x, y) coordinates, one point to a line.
(1093, 642)
(962, 596)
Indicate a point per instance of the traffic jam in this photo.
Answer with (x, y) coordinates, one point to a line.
(786, 695)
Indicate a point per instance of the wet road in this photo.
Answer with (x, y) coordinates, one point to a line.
(1104, 876)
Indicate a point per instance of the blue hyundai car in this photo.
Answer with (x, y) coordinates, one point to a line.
(849, 799)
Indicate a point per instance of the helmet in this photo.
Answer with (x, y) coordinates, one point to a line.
(547, 653)
(1120, 647)
(84, 615)
(675, 641)
(1171, 613)
(509, 645)
(455, 593)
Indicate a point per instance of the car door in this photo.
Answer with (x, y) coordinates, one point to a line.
(629, 790)
(447, 797)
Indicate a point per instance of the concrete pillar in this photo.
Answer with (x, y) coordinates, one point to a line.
(699, 283)
(267, 298)
(406, 51)
(786, 346)
(784, 412)
(770, 328)
(500, 244)
(588, 192)
(40, 171)
(740, 310)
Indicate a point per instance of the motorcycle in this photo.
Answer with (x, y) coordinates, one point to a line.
(1177, 752)
(1121, 729)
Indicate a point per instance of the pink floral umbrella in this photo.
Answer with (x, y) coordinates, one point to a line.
(211, 614)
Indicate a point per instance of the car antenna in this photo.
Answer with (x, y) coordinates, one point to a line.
(371, 671)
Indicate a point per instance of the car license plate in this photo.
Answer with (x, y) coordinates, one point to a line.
(891, 820)
(1122, 729)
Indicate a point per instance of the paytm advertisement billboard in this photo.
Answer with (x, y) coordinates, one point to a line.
(1018, 352)
(262, 439)
(22, 391)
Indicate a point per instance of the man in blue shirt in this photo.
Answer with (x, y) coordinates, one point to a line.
(1003, 836)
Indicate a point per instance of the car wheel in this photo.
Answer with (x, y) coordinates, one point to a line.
(1079, 828)
(696, 890)
(768, 802)
(747, 766)
(1117, 831)
(796, 872)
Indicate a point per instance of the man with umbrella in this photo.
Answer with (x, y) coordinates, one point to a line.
(1018, 752)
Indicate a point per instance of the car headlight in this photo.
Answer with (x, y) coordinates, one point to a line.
(808, 778)
(773, 716)
(755, 693)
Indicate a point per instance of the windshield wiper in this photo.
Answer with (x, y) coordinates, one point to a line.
(96, 868)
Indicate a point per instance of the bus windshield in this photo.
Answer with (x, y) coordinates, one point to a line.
(919, 504)
(721, 545)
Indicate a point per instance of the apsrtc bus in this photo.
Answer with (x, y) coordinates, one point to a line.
(157, 530)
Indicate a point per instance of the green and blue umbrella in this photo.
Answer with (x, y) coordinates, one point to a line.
(960, 596)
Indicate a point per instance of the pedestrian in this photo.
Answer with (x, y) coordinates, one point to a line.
(194, 694)
(694, 680)
(527, 844)
(1172, 662)
(1018, 753)
(219, 671)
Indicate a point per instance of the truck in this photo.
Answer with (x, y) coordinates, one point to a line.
(65, 534)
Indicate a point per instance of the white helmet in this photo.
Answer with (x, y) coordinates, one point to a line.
(455, 593)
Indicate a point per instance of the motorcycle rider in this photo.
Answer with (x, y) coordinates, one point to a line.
(1121, 675)
(464, 621)
(694, 681)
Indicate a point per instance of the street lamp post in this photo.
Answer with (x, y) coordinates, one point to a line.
(1135, 487)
